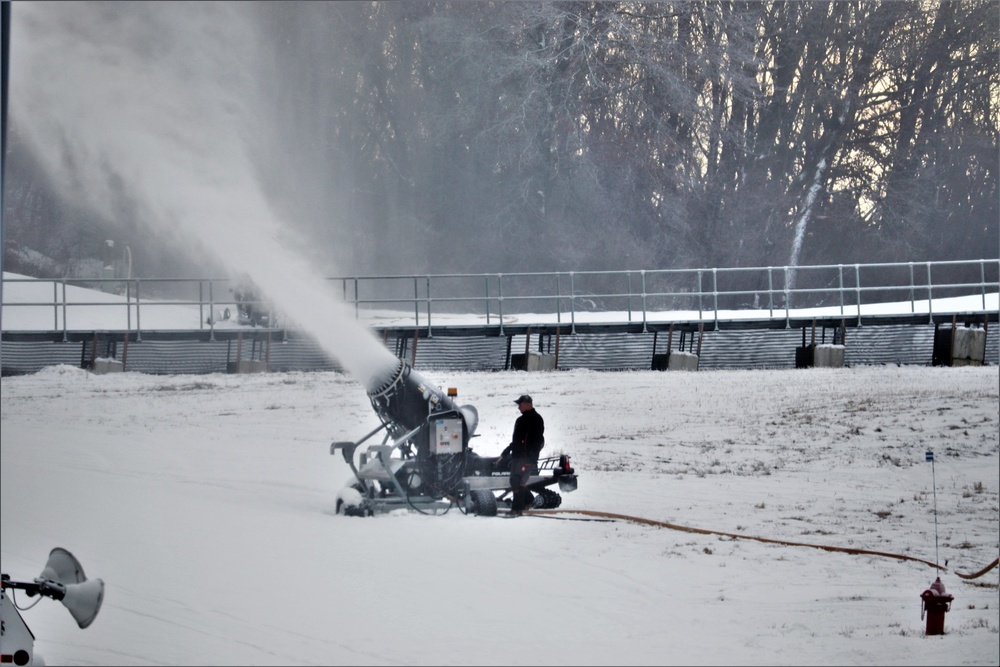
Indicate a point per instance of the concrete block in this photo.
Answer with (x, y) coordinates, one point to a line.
(102, 366)
(828, 356)
(682, 361)
(533, 361)
(246, 367)
(541, 362)
(970, 347)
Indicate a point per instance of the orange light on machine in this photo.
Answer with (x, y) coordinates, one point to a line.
(452, 392)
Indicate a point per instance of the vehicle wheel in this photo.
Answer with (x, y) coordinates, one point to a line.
(546, 499)
(351, 510)
(484, 503)
(354, 506)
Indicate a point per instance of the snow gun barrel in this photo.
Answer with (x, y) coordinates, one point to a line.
(404, 400)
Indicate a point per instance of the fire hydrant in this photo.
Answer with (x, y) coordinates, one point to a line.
(936, 602)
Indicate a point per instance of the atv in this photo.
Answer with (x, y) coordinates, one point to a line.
(493, 473)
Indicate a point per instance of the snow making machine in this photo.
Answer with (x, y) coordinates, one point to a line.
(423, 461)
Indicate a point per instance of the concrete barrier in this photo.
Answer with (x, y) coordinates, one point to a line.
(959, 346)
(969, 348)
(533, 361)
(828, 356)
(102, 366)
(246, 367)
(682, 361)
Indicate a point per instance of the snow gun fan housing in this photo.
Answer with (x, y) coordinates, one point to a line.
(406, 399)
(428, 426)
(424, 462)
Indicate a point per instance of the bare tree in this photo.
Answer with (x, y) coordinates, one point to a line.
(501, 136)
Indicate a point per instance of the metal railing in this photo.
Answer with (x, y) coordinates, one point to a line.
(706, 296)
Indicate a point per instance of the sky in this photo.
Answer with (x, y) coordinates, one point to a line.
(207, 506)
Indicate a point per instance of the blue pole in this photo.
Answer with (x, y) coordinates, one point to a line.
(929, 456)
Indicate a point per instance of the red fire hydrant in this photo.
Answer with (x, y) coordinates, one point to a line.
(936, 602)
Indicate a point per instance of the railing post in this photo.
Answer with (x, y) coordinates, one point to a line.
(416, 302)
(558, 299)
(138, 312)
(500, 300)
(913, 305)
(55, 306)
(857, 288)
(487, 281)
(788, 299)
(840, 273)
(715, 296)
(982, 280)
(430, 333)
(211, 309)
(628, 275)
(930, 295)
(644, 319)
(65, 312)
(699, 295)
(572, 303)
(770, 292)
(128, 305)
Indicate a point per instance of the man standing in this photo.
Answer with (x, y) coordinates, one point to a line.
(527, 442)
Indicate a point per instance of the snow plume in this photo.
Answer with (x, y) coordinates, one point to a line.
(803, 222)
(162, 104)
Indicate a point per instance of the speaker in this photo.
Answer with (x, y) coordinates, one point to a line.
(63, 567)
(83, 598)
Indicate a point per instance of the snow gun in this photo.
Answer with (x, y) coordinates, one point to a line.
(424, 462)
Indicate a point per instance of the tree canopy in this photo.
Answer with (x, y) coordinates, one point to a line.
(510, 136)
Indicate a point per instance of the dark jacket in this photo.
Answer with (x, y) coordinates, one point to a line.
(528, 438)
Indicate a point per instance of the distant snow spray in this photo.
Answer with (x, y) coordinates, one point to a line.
(935, 601)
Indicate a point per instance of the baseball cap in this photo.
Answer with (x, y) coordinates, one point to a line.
(524, 398)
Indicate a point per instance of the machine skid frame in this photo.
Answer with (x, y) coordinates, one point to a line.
(384, 479)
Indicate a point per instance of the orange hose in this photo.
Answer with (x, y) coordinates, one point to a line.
(688, 529)
(981, 572)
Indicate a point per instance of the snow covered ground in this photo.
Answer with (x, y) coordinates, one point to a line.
(206, 504)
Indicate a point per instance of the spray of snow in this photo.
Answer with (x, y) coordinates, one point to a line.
(161, 103)
(803, 222)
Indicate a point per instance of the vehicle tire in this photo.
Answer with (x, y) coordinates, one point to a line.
(484, 503)
(546, 499)
(352, 509)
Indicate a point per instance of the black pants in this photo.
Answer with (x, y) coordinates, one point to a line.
(520, 471)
